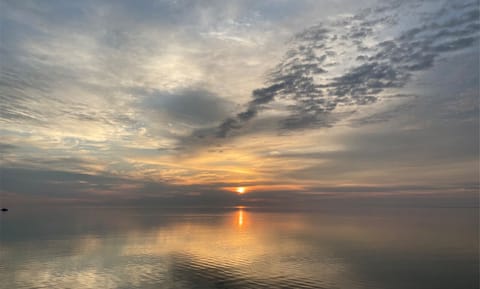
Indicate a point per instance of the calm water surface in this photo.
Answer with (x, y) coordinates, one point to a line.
(239, 248)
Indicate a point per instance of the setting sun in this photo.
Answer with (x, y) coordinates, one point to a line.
(240, 190)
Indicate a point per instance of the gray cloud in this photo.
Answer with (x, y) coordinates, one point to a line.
(195, 107)
(383, 116)
(5, 148)
(82, 188)
(388, 64)
(52, 183)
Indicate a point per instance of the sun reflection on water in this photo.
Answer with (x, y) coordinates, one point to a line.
(240, 217)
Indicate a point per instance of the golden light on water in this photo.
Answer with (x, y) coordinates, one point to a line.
(240, 217)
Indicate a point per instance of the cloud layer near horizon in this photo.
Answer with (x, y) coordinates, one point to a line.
(181, 102)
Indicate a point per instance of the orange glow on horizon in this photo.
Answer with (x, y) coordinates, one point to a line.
(263, 188)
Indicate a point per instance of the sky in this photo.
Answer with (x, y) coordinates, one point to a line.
(172, 103)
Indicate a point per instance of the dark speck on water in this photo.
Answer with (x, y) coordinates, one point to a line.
(4, 209)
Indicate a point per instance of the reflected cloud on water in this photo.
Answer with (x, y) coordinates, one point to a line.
(240, 248)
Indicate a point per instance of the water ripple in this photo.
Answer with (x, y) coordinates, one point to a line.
(205, 273)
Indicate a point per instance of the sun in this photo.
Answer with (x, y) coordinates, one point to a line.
(240, 190)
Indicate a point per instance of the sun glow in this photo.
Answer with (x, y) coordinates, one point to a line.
(240, 190)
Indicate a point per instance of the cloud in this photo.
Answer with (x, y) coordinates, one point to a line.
(190, 106)
(5, 148)
(352, 62)
(48, 186)
(383, 116)
(154, 94)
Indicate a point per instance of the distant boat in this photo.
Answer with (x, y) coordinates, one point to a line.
(4, 209)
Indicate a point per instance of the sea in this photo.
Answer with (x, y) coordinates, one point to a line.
(239, 247)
